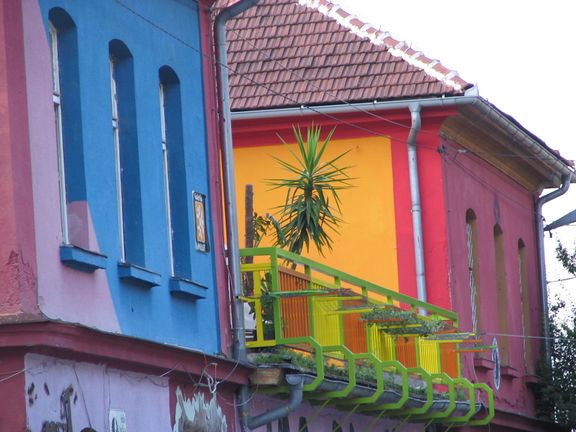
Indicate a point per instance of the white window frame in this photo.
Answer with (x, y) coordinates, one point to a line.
(166, 173)
(117, 162)
(472, 283)
(57, 101)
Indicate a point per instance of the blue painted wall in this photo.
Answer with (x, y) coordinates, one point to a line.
(158, 33)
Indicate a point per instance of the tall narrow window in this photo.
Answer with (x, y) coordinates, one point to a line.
(524, 297)
(473, 269)
(177, 196)
(74, 210)
(501, 293)
(124, 131)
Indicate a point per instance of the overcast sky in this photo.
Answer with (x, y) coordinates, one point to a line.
(520, 53)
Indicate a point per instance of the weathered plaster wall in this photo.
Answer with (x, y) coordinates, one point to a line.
(93, 390)
(17, 247)
(57, 393)
(495, 199)
(320, 419)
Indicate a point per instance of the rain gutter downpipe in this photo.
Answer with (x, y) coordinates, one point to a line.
(295, 382)
(542, 260)
(230, 206)
(416, 206)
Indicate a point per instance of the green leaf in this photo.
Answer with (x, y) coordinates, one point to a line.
(308, 211)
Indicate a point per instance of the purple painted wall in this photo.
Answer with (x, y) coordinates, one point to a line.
(471, 183)
(320, 418)
(95, 390)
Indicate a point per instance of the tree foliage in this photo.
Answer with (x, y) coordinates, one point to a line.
(311, 207)
(557, 392)
(567, 258)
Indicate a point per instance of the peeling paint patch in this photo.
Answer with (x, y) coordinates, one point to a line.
(197, 415)
(51, 427)
(32, 396)
(19, 282)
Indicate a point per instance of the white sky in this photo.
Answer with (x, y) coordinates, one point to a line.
(520, 53)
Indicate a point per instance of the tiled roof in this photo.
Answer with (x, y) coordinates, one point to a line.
(286, 53)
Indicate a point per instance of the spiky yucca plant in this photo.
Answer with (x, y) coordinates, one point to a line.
(312, 206)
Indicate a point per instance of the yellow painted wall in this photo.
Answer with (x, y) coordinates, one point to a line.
(364, 233)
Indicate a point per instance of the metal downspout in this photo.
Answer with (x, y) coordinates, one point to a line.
(542, 260)
(230, 205)
(416, 206)
(296, 383)
(239, 342)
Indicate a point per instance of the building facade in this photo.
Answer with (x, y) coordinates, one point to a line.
(446, 187)
(113, 296)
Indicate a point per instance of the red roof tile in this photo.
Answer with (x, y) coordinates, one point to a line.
(285, 53)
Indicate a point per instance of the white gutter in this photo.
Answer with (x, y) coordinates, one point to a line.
(417, 230)
(542, 261)
(305, 110)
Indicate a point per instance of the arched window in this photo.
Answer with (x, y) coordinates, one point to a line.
(174, 159)
(124, 129)
(525, 299)
(501, 291)
(473, 269)
(68, 120)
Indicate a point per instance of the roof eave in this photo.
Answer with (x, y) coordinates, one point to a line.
(553, 166)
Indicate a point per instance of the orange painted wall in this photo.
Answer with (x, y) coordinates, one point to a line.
(366, 246)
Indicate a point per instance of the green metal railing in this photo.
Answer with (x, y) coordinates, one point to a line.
(297, 302)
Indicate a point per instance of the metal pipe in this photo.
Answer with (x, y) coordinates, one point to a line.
(296, 383)
(418, 236)
(239, 333)
(230, 206)
(523, 138)
(542, 259)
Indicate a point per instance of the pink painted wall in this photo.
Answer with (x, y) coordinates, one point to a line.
(320, 419)
(495, 198)
(62, 292)
(12, 408)
(17, 248)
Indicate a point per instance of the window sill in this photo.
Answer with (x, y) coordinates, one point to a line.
(509, 371)
(187, 288)
(138, 275)
(531, 380)
(82, 259)
(483, 363)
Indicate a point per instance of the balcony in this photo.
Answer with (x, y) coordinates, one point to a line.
(357, 346)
